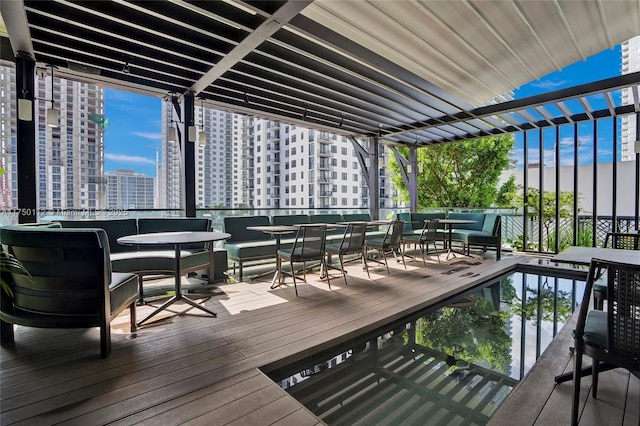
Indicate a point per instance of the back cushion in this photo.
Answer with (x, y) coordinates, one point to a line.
(237, 227)
(477, 217)
(290, 219)
(406, 218)
(173, 224)
(115, 229)
(68, 269)
(491, 222)
(329, 219)
(419, 218)
(325, 218)
(356, 217)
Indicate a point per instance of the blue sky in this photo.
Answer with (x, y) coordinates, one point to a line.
(604, 65)
(134, 130)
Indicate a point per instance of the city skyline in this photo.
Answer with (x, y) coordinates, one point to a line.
(135, 129)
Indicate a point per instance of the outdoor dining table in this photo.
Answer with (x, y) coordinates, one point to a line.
(278, 231)
(450, 223)
(177, 239)
(582, 256)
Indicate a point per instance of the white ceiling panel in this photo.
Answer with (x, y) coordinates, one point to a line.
(477, 50)
(404, 71)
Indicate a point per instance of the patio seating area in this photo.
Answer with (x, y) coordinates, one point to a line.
(386, 79)
(205, 370)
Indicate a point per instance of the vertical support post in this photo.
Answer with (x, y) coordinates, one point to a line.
(614, 177)
(525, 194)
(594, 187)
(637, 184)
(188, 149)
(541, 190)
(177, 199)
(576, 220)
(374, 179)
(369, 164)
(26, 143)
(413, 179)
(409, 174)
(556, 160)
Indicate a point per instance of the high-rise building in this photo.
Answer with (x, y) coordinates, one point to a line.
(215, 160)
(70, 157)
(217, 169)
(169, 178)
(629, 132)
(129, 190)
(287, 166)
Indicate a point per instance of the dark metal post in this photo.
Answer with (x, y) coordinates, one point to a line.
(369, 165)
(413, 179)
(576, 220)
(188, 148)
(409, 172)
(26, 146)
(525, 195)
(556, 249)
(637, 184)
(374, 179)
(540, 189)
(614, 178)
(594, 189)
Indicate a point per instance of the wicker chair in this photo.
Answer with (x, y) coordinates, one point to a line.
(611, 338)
(614, 240)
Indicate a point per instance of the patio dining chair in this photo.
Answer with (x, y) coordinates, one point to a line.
(309, 246)
(426, 237)
(611, 338)
(614, 240)
(391, 242)
(352, 243)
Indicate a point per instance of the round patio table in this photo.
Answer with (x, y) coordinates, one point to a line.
(177, 239)
(278, 231)
(449, 223)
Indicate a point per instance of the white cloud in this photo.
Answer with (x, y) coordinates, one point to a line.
(149, 135)
(129, 159)
(550, 84)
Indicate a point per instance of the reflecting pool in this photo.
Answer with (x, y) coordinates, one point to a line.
(453, 364)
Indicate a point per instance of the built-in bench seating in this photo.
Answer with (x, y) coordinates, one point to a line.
(414, 222)
(485, 232)
(69, 284)
(151, 260)
(248, 245)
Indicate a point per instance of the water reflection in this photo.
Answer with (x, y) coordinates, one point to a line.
(456, 363)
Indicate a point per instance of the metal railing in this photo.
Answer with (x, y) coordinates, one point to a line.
(512, 222)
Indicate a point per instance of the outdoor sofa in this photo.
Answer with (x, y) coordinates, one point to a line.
(70, 283)
(247, 245)
(485, 232)
(152, 260)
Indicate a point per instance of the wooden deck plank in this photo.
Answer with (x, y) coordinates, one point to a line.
(203, 370)
(527, 404)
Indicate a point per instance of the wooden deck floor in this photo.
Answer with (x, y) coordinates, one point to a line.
(197, 369)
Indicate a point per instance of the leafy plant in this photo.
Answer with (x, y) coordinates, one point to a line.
(518, 244)
(9, 264)
(461, 174)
